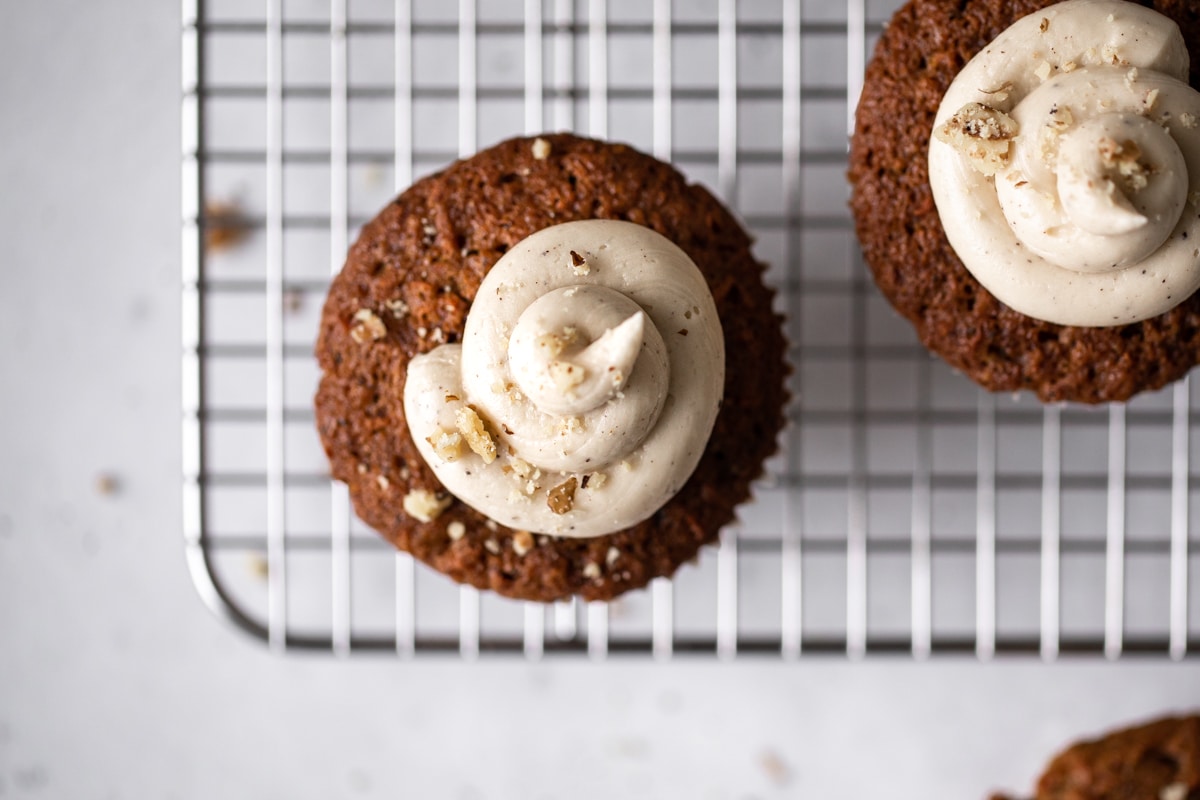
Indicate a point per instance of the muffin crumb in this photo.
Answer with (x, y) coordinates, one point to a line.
(541, 149)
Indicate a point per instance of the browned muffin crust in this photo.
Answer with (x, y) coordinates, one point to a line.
(924, 46)
(1156, 761)
(429, 249)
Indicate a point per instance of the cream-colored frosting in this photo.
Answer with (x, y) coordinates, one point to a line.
(594, 359)
(1083, 119)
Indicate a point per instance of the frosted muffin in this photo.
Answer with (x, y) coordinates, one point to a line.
(551, 369)
(1054, 249)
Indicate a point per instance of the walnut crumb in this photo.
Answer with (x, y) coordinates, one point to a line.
(1044, 25)
(368, 327)
(1131, 77)
(1150, 100)
(447, 444)
(611, 557)
(579, 265)
(1124, 158)
(1188, 120)
(554, 343)
(424, 505)
(1043, 71)
(591, 571)
(561, 498)
(1070, 66)
(566, 375)
(398, 308)
(456, 530)
(1000, 93)
(598, 479)
(522, 542)
(492, 546)
(1061, 118)
(478, 439)
(383, 482)
(1174, 791)
(541, 149)
(520, 467)
(982, 134)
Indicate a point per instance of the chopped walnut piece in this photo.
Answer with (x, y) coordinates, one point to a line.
(368, 327)
(1061, 118)
(562, 497)
(520, 467)
(541, 149)
(591, 571)
(456, 530)
(598, 479)
(447, 444)
(982, 134)
(522, 542)
(1044, 25)
(555, 343)
(566, 375)
(1131, 77)
(1124, 158)
(611, 557)
(478, 439)
(398, 308)
(1043, 71)
(424, 505)
(1070, 66)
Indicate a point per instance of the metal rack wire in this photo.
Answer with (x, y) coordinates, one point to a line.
(907, 513)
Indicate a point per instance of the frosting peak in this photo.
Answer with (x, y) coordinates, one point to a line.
(591, 371)
(1063, 161)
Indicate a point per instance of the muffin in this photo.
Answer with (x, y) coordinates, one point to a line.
(1044, 269)
(523, 357)
(1156, 761)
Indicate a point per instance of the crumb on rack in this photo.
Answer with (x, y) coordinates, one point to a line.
(541, 149)
(225, 225)
(522, 542)
(425, 506)
(982, 134)
(456, 530)
(368, 327)
(561, 498)
(478, 439)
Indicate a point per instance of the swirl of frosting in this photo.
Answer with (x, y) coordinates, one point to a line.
(1065, 165)
(587, 383)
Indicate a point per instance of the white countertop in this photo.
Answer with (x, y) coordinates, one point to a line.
(116, 683)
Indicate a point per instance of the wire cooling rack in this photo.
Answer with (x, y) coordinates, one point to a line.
(908, 512)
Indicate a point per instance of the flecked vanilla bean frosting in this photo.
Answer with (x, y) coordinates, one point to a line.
(1065, 165)
(587, 383)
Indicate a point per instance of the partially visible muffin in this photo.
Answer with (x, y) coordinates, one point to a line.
(1159, 760)
(407, 287)
(925, 45)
